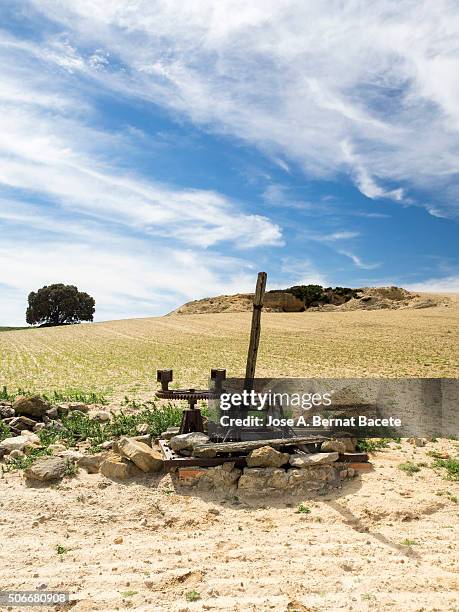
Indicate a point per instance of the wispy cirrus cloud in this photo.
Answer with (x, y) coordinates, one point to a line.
(296, 79)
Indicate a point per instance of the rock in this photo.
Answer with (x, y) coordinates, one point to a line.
(18, 443)
(331, 446)
(6, 412)
(38, 427)
(31, 406)
(311, 478)
(71, 454)
(56, 449)
(52, 414)
(22, 423)
(417, 441)
(350, 444)
(78, 406)
(222, 478)
(16, 454)
(118, 540)
(301, 461)
(2, 453)
(107, 445)
(46, 469)
(146, 439)
(34, 439)
(102, 416)
(119, 468)
(259, 480)
(144, 457)
(188, 441)
(91, 463)
(266, 456)
(170, 433)
(143, 428)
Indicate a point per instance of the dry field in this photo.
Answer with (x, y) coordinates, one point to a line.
(385, 541)
(121, 357)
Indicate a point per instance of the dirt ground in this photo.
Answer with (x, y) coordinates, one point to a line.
(385, 541)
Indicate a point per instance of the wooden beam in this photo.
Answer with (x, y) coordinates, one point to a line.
(255, 329)
(211, 450)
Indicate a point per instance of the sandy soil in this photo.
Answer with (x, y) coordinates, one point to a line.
(347, 554)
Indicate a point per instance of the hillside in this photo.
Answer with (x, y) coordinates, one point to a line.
(121, 357)
(368, 298)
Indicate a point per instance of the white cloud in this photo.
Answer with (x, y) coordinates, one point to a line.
(124, 276)
(295, 78)
(446, 284)
(359, 262)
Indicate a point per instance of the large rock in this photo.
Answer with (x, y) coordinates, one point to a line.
(334, 446)
(118, 468)
(22, 423)
(6, 411)
(32, 406)
(188, 441)
(91, 463)
(20, 442)
(261, 480)
(144, 457)
(66, 407)
(266, 456)
(47, 468)
(302, 461)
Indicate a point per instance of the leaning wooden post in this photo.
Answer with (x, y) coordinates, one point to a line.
(255, 330)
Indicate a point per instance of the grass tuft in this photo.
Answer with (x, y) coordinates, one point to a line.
(409, 467)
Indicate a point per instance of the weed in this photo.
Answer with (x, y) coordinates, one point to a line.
(23, 463)
(71, 468)
(192, 596)
(408, 542)
(302, 509)
(4, 431)
(129, 593)
(450, 465)
(409, 467)
(371, 446)
(61, 550)
(435, 454)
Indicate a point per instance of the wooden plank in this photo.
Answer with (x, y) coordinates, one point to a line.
(211, 450)
(255, 329)
(172, 460)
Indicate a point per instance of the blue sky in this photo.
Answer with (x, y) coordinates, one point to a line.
(157, 152)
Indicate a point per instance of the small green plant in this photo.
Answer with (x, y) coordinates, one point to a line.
(4, 431)
(408, 542)
(302, 509)
(371, 446)
(71, 468)
(409, 467)
(23, 463)
(367, 596)
(61, 550)
(129, 593)
(451, 466)
(435, 454)
(192, 596)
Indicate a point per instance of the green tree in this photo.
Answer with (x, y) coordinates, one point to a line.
(309, 293)
(59, 305)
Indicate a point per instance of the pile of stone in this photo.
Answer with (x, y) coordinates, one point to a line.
(267, 470)
(27, 416)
